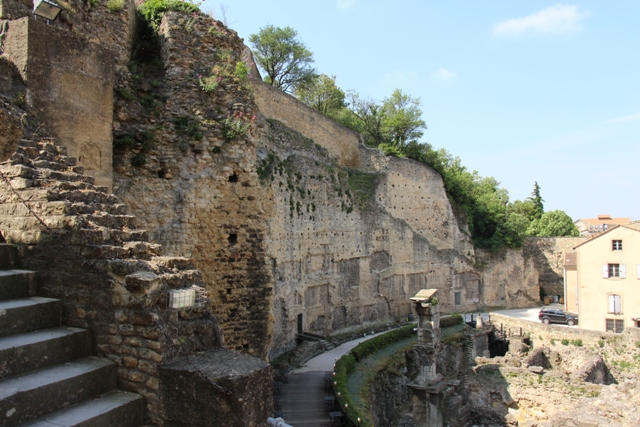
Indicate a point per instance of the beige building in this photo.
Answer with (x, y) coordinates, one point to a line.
(571, 282)
(602, 280)
(592, 226)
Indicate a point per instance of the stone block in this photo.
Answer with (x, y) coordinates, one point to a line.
(215, 384)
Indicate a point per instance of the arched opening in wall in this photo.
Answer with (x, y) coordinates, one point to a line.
(233, 177)
(300, 324)
(232, 239)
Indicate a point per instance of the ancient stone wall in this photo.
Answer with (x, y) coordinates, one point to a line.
(340, 142)
(195, 189)
(509, 279)
(12, 91)
(339, 245)
(70, 89)
(87, 252)
(93, 21)
(542, 334)
(348, 246)
(548, 258)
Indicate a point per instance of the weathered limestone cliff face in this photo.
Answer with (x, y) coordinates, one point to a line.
(342, 233)
(348, 245)
(510, 279)
(332, 235)
(548, 258)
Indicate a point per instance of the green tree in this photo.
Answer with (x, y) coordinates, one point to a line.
(525, 208)
(515, 230)
(395, 122)
(323, 95)
(536, 199)
(553, 224)
(402, 122)
(364, 116)
(285, 59)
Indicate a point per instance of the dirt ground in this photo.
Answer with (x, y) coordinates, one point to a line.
(559, 385)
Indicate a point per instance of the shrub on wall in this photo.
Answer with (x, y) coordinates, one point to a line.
(115, 5)
(153, 10)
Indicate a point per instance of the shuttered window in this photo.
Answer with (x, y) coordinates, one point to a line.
(614, 270)
(615, 304)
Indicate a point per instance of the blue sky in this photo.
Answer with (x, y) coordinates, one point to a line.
(521, 91)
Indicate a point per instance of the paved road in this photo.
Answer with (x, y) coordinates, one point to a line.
(532, 313)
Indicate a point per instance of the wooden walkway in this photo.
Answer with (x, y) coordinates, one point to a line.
(302, 400)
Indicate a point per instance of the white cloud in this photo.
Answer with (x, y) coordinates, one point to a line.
(443, 74)
(629, 118)
(345, 4)
(552, 20)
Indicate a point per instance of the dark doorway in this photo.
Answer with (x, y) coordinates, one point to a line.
(300, 328)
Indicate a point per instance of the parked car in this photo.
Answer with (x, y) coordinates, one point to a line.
(555, 315)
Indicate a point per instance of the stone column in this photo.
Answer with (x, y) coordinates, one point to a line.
(429, 383)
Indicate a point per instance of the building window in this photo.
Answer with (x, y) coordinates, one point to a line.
(457, 297)
(616, 245)
(615, 325)
(614, 270)
(615, 304)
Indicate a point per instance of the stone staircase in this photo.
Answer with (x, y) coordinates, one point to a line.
(48, 376)
(308, 336)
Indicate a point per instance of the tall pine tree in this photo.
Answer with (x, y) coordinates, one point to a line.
(536, 199)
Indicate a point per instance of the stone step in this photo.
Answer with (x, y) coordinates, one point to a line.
(50, 145)
(16, 284)
(75, 186)
(48, 174)
(104, 219)
(29, 195)
(105, 236)
(115, 408)
(136, 250)
(84, 208)
(35, 154)
(86, 196)
(29, 314)
(57, 165)
(26, 397)
(20, 353)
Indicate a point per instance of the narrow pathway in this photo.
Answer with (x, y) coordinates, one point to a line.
(302, 397)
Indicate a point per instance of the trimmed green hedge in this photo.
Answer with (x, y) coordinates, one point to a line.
(453, 320)
(346, 364)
